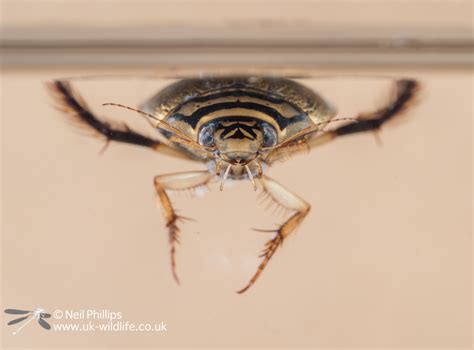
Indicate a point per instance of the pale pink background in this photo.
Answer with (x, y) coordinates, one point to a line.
(383, 260)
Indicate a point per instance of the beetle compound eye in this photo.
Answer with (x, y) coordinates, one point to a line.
(269, 136)
(206, 135)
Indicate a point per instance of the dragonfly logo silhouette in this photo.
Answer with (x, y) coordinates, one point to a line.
(38, 314)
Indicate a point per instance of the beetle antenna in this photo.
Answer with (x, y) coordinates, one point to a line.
(225, 177)
(309, 130)
(165, 126)
(148, 115)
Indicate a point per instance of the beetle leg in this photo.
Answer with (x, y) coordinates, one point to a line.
(176, 182)
(403, 95)
(70, 102)
(290, 201)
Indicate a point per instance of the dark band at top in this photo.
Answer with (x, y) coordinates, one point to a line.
(240, 93)
(195, 117)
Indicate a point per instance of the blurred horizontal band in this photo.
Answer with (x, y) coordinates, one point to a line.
(237, 32)
(238, 52)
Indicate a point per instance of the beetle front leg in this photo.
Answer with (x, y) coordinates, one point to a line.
(176, 182)
(404, 94)
(290, 201)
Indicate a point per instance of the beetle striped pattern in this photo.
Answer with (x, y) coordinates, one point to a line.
(282, 103)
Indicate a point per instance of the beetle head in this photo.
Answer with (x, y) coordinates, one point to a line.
(237, 142)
